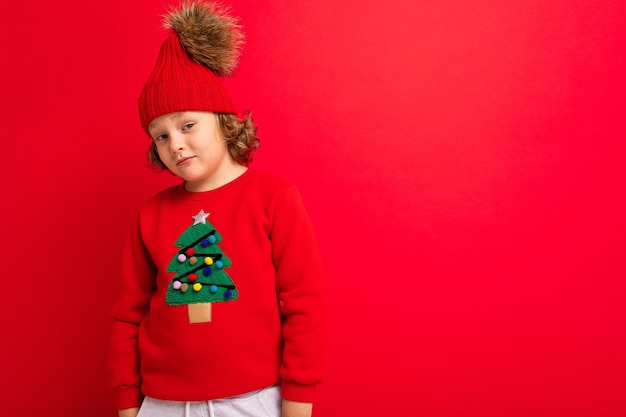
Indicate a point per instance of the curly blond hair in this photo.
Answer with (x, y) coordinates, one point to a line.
(240, 136)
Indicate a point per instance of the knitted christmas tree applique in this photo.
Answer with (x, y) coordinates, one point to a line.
(199, 265)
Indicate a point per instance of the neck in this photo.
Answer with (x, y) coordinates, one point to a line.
(219, 179)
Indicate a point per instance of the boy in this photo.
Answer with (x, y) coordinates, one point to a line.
(222, 306)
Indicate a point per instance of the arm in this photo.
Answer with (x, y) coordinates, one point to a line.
(294, 409)
(138, 285)
(301, 291)
(129, 412)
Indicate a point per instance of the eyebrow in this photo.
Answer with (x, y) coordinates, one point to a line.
(151, 125)
(176, 116)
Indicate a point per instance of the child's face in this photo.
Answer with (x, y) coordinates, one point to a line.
(192, 146)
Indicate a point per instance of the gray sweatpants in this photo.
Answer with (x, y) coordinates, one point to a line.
(262, 403)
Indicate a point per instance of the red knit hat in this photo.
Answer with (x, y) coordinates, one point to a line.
(204, 45)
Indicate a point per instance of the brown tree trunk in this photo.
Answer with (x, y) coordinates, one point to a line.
(199, 312)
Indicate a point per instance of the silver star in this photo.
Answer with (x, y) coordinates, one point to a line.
(200, 217)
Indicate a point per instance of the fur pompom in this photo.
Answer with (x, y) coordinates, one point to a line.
(209, 35)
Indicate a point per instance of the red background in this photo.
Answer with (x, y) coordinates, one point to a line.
(462, 161)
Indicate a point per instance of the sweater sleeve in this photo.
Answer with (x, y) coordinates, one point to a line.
(301, 292)
(138, 285)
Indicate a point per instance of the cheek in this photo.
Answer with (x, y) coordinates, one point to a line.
(165, 158)
(161, 152)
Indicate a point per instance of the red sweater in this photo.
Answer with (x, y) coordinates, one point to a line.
(272, 327)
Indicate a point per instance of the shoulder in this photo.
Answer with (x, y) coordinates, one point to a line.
(268, 183)
(164, 196)
(271, 191)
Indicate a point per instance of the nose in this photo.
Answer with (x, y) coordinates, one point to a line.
(177, 142)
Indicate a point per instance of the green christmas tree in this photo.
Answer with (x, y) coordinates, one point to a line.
(199, 265)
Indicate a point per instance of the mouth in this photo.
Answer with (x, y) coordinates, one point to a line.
(183, 161)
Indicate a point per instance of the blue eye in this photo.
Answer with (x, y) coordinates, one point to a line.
(160, 138)
(188, 126)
